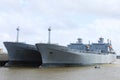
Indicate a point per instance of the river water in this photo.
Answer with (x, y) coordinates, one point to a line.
(105, 72)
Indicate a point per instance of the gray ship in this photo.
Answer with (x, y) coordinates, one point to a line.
(22, 54)
(77, 53)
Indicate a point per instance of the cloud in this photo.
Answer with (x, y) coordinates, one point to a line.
(61, 7)
(3, 37)
(69, 19)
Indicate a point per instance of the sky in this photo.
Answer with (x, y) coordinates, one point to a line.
(68, 19)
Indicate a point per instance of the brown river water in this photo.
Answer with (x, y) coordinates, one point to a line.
(105, 72)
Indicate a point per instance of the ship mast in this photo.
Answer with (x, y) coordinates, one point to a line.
(17, 39)
(49, 34)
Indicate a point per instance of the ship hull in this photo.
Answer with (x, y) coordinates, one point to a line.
(22, 54)
(60, 55)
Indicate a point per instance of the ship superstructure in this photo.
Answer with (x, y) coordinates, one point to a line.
(100, 47)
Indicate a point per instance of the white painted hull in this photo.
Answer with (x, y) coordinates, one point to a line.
(55, 54)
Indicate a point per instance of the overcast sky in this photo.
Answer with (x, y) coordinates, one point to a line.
(69, 20)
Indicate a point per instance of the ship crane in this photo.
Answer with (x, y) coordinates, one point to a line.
(49, 34)
(17, 40)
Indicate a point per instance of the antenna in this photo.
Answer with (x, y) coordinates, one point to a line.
(89, 42)
(108, 41)
(17, 40)
(49, 34)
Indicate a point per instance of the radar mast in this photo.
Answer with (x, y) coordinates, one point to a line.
(17, 39)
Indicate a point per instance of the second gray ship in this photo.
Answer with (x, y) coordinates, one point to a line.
(22, 54)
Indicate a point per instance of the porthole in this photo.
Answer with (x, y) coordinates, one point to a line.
(50, 52)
